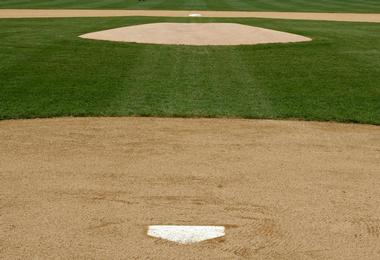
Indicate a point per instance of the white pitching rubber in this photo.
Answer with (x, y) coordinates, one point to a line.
(195, 15)
(186, 234)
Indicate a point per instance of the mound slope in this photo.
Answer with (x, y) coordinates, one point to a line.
(195, 34)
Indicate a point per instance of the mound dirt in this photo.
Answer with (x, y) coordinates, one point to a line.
(88, 188)
(195, 34)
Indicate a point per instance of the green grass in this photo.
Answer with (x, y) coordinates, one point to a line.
(46, 70)
(254, 5)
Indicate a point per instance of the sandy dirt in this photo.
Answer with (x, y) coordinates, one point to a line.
(88, 188)
(38, 13)
(195, 34)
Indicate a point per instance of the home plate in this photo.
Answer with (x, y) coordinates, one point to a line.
(186, 234)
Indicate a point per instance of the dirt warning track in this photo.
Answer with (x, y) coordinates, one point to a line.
(90, 187)
(41, 13)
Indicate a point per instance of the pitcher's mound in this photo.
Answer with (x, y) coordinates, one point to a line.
(195, 34)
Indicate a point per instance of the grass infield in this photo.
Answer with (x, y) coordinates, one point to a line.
(356, 6)
(46, 71)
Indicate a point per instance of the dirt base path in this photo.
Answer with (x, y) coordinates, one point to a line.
(89, 188)
(37, 13)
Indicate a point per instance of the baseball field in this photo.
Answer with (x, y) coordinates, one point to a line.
(345, 6)
(261, 117)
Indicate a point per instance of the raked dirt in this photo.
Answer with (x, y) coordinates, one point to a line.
(41, 13)
(88, 188)
(195, 34)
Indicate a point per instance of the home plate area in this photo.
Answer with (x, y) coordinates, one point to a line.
(186, 234)
(211, 188)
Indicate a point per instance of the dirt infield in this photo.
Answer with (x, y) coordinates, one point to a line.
(89, 187)
(37, 13)
(195, 34)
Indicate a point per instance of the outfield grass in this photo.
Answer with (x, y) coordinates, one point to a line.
(46, 70)
(253, 5)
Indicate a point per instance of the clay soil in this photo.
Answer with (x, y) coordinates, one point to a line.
(87, 188)
(196, 34)
(38, 13)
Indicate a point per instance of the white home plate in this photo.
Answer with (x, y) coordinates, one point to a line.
(186, 234)
(195, 15)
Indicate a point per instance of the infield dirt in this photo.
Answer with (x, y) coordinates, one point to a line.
(40, 13)
(89, 188)
(195, 34)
